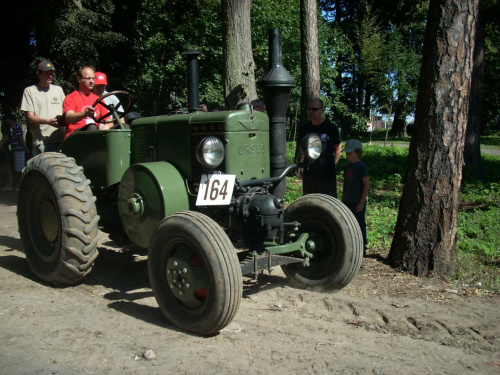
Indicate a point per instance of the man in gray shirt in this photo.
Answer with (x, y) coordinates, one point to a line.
(43, 104)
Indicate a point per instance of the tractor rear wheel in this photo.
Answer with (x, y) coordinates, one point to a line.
(335, 241)
(57, 219)
(194, 273)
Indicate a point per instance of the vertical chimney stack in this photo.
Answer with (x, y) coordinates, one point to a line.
(193, 80)
(276, 84)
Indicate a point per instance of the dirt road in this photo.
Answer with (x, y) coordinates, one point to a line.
(385, 322)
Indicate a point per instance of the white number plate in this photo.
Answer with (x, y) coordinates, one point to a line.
(215, 190)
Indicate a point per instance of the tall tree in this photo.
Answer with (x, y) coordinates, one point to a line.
(472, 149)
(426, 228)
(239, 67)
(370, 27)
(309, 54)
(491, 98)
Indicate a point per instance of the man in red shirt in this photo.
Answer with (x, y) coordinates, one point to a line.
(78, 111)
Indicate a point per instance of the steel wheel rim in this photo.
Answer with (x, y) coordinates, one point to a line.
(187, 282)
(323, 238)
(43, 233)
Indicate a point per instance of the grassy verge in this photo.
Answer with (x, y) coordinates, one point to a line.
(478, 239)
(489, 140)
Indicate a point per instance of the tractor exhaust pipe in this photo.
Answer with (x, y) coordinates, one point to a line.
(276, 84)
(193, 80)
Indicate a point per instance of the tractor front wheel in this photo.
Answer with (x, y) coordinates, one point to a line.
(194, 273)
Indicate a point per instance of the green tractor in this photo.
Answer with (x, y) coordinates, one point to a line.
(203, 192)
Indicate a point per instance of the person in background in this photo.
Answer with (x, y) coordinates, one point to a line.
(356, 185)
(6, 157)
(369, 126)
(17, 145)
(100, 83)
(43, 104)
(204, 107)
(78, 111)
(320, 175)
(258, 105)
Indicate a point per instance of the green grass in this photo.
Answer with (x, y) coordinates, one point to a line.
(478, 232)
(492, 138)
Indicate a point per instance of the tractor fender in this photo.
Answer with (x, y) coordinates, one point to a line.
(149, 192)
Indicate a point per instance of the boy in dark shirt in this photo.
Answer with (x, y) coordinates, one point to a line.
(356, 184)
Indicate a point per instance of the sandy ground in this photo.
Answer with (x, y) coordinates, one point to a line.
(384, 322)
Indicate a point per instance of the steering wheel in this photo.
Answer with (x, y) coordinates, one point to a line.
(123, 97)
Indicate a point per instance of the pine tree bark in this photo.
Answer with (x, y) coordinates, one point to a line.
(239, 66)
(309, 55)
(426, 228)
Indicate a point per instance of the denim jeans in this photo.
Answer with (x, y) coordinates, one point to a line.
(360, 217)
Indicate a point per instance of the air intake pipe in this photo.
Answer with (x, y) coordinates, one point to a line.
(193, 80)
(276, 85)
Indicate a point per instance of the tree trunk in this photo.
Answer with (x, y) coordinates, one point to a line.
(368, 102)
(399, 123)
(426, 229)
(239, 67)
(472, 148)
(309, 54)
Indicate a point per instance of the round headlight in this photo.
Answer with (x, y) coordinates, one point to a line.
(313, 146)
(309, 149)
(210, 152)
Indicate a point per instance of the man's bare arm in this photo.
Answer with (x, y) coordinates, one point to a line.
(337, 151)
(73, 117)
(37, 121)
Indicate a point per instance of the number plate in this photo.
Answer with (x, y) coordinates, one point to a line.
(215, 190)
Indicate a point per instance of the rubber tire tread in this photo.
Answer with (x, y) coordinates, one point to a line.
(225, 264)
(75, 204)
(349, 241)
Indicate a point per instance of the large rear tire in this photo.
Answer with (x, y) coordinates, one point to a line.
(194, 273)
(335, 241)
(57, 219)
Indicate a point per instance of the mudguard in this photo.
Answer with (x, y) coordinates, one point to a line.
(148, 193)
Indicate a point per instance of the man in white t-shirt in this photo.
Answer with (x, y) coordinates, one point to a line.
(100, 83)
(369, 126)
(43, 104)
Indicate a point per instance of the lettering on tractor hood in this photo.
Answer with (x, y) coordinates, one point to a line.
(251, 148)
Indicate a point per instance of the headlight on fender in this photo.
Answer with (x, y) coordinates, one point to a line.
(210, 152)
(309, 149)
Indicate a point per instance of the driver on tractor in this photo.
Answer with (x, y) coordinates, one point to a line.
(84, 110)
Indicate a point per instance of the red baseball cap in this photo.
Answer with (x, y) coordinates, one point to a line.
(100, 79)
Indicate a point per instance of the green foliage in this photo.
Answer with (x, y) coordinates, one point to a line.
(378, 71)
(293, 189)
(478, 247)
(265, 17)
(290, 152)
(369, 56)
(478, 233)
(381, 221)
(164, 31)
(491, 138)
(480, 193)
(491, 96)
